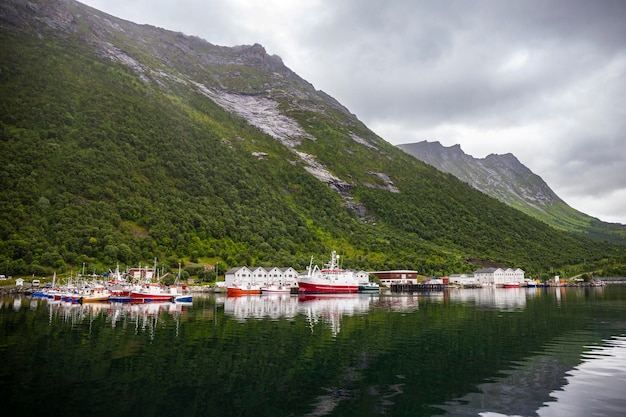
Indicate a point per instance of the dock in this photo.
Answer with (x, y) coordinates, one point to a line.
(395, 288)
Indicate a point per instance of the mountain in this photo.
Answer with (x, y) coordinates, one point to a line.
(121, 143)
(505, 178)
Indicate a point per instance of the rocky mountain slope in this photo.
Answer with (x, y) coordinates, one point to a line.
(123, 142)
(504, 177)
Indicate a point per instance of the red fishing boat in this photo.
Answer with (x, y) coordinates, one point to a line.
(243, 288)
(330, 279)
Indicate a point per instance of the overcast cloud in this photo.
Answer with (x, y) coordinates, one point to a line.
(542, 79)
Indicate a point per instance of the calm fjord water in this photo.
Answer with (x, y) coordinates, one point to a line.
(482, 352)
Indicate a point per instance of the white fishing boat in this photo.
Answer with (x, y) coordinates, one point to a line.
(275, 288)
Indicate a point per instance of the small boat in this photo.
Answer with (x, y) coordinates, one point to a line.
(220, 287)
(183, 298)
(180, 292)
(96, 297)
(95, 294)
(119, 287)
(243, 288)
(276, 289)
(511, 285)
(120, 295)
(150, 293)
(329, 280)
(369, 287)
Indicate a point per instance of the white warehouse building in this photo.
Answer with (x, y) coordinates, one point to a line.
(498, 276)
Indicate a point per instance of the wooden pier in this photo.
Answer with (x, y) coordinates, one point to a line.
(417, 287)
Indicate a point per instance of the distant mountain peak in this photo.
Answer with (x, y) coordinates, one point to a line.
(501, 176)
(505, 178)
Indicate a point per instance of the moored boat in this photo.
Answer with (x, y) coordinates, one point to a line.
(511, 285)
(220, 287)
(369, 287)
(151, 292)
(96, 294)
(276, 289)
(95, 298)
(180, 292)
(330, 279)
(243, 288)
(183, 298)
(120, 295)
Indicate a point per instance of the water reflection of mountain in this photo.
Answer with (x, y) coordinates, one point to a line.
(329, 308)
(499, 298)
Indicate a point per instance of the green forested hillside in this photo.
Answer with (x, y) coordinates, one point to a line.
(100, 165)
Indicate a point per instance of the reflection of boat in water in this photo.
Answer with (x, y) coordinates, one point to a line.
(330, 308)
(330, 279)
(138, 315)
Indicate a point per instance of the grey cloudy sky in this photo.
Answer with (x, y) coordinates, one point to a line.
(542, 79)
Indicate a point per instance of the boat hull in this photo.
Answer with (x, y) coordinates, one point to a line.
(147, 298)
(272, 291)
(512, 285)
(321, 288)
(276, 289)
(236, 291)
(96, 299)
(369, 288)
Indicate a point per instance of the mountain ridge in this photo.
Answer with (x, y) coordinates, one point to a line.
(124, 142)
(505, 178)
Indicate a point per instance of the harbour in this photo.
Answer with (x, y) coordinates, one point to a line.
(450, 352)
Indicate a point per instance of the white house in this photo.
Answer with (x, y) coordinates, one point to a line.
(462, 279)
(514, 275)
(238, 274)
(275, 275)
(290, 276)
(259, 275)
(285, 276)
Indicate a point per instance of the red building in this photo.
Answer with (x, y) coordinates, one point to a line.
(396, 277)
